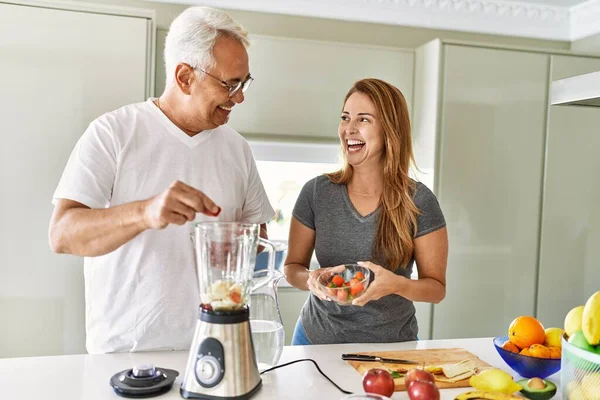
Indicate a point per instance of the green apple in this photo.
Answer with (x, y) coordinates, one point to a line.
(578, 340)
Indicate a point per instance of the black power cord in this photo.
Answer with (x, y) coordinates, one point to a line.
(316, 365)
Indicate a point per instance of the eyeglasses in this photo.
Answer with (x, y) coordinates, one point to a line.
(233, 89)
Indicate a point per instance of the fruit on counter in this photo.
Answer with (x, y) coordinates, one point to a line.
(508, 345)
(480, 394)
(379, 381)
(573, 320)
(422, 390)
(417, 373)
(494, 380)
(590, 323)
(591, 385)
(527, 336)
(575, 391)
(578, 340)
(525, 331)
(586, 389)
(555, 352)
(537, 389)
(539, 351)
(553, 337)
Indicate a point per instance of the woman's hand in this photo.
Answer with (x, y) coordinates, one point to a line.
(313, 280)
(385, 283)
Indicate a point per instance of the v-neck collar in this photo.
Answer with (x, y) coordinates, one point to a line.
(190, 141)
(355, 213)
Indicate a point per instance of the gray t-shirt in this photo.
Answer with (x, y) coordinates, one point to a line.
(344, 236)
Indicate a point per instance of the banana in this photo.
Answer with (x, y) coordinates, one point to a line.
(480, 394)
(591, 319)
(473, 395)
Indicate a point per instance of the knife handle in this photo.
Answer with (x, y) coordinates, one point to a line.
(358, 357)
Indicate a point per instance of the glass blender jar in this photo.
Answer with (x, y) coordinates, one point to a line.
(222, 361)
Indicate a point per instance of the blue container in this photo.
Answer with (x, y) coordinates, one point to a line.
(262, 258)
(526, 366)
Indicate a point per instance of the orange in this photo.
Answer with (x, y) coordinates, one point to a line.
(555, 352)
(539, 351)
(526, 331)
(526, 352)
(510, 347)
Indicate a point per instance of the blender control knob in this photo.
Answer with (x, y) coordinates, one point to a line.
(143, 371)
(208, 371)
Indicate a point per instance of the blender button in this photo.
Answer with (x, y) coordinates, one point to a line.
(208, 371)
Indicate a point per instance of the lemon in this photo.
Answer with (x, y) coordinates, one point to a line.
(573, 320)
(494, 380)
(553, 337)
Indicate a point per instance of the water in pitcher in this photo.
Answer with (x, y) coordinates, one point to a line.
(268, 337)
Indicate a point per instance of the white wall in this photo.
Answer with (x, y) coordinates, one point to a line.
(54, 83)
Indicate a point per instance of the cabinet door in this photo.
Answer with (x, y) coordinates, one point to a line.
(489, 185)
(300, 85)
(291, 301)
(570, 240)
(59, 70)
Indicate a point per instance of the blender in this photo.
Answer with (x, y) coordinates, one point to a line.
(222, 361)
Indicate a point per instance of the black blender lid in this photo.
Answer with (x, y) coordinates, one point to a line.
(143, 381)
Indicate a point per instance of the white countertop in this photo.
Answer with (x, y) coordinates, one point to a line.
(86, 377)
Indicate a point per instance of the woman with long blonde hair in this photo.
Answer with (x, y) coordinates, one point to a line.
(373, 213)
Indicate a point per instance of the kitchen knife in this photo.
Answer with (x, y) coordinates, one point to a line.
(363, 357)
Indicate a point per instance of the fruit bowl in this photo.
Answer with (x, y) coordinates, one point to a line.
(580, 373)
(343, 287)
(527, 366)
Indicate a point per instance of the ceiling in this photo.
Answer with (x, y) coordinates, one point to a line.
(557, 3)
(565, 20)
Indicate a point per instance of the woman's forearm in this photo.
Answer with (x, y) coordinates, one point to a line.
(296, 275)
(427, 290)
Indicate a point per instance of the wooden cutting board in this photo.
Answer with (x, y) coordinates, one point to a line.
(428, 357)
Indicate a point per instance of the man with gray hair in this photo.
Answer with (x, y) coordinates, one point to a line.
(139, 174)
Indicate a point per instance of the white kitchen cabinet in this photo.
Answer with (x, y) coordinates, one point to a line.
(479, 131)
(570, 236)
(300, 85)
(59, 70)
(291, 301)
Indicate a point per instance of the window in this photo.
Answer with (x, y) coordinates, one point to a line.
(284, 168)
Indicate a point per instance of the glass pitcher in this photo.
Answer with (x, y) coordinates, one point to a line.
(225, 259)
(266, 323)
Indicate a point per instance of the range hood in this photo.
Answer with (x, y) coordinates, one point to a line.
(581, 90)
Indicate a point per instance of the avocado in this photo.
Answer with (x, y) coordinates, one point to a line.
(532, 388)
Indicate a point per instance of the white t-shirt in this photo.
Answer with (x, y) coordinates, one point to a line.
(144, 295)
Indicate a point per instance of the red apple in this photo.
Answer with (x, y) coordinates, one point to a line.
(378, 381)
(417, 373)
(423, 390)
